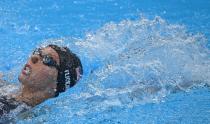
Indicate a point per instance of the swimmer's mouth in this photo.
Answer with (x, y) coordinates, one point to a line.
(26, 70)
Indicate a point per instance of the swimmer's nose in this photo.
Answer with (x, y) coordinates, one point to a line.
(34, 59)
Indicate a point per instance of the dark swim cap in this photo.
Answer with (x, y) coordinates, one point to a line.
(70, 68)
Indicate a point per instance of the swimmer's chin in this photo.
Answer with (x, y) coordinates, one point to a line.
(22, 78)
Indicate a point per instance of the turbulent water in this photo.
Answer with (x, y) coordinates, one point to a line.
(127, 64)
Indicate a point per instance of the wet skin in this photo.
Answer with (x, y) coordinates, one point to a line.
(38, 80)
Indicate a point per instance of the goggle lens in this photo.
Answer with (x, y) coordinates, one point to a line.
(46, 59)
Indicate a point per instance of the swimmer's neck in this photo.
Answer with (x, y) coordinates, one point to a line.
(33, 97)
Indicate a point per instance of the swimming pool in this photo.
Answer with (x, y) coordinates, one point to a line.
(145, 61)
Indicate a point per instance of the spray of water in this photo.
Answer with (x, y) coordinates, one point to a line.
(130, 63)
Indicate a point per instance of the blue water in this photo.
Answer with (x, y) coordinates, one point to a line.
(145, 61)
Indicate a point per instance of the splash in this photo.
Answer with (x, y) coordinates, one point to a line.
(146, 53)
(127, 64)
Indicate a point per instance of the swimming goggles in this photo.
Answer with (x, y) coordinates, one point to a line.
(46, 59)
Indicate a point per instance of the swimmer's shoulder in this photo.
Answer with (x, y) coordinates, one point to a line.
(10, 107)
(7, 104)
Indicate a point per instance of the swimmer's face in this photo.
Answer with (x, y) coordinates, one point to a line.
(37, 75)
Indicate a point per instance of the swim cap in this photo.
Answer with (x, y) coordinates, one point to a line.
(70, 69)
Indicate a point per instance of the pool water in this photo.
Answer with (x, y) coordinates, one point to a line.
(144, 61)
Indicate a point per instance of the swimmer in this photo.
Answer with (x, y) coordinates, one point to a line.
(48, 72)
